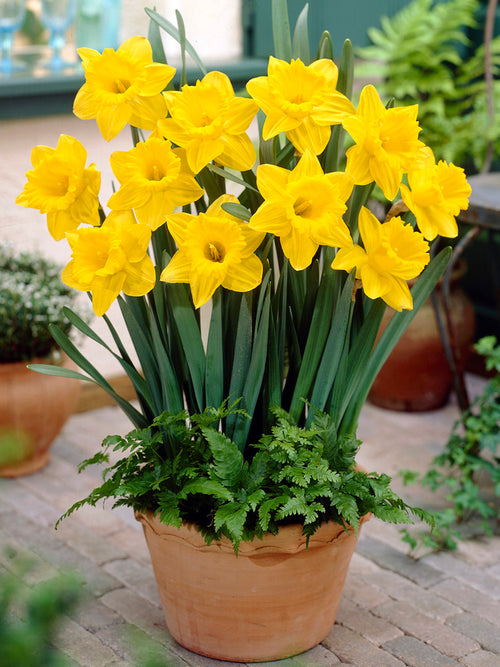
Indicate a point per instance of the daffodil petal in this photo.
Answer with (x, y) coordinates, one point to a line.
(307, 166)
(309, 135)
(177, 225)
(358, 165)
(242, 113)
(112, 119)
(299, 249)
(270, 217)
(104, 292)
(200, 152)
(203, 285)
(140, 279)
(244, 276)
(387, 176)
(369, 228)
(398, 296)
(347, 258)
(238, 152)
(129, 196)
(272, 180)
(374, 284)
(178, 270)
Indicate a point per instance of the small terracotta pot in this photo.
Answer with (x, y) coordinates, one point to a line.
(416, 376)
(274, 600)
(33, 409)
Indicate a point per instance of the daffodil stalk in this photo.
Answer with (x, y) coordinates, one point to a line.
(291, 270)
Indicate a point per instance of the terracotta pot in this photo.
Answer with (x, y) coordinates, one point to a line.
(416, 376)
(274, 600)
(33, 409)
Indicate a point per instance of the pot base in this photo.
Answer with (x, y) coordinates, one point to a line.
(27, 467)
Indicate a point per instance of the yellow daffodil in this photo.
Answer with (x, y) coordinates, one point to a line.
(155, 179)
(122, 86)
(386, 142)
(393, 253)
(61, 186)
(210, 122)
(301, 101)
(214, 249)
(437, 194)
(304, 207)
(110, 259)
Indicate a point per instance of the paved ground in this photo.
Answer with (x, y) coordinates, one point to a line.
(441, 610)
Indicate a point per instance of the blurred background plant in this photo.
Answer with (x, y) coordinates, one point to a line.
(31, 298)
(31, 617)
(468, 469)
(423, 55)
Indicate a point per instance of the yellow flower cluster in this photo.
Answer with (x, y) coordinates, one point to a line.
(207, 123)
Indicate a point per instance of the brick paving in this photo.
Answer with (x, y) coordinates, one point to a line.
(443, 609)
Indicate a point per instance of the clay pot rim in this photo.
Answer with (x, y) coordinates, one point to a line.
(289, 540)
(55, 358)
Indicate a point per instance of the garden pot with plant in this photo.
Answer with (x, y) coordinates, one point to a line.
(33, 407)
(254, 318)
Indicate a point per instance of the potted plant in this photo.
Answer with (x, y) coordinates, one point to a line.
(33, 407)
(254, 320)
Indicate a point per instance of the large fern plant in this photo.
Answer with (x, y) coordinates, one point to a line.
(187, 470)
(422, 55)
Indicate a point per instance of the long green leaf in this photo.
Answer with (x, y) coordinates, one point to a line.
(182, 41)
(137, 323)
(171, 392)
(136, 378)
(190, 337)
(346, 70)
(214, 368)
(391, 335)
(319, 327)
(73, 353)
(241, 356)
(325, 46)
(229, 176)
(358, 359)
(255, 375)
(237, 210)
(334, 348)
(59, 371)
(300, 45)
(154, 38)
(281, 30)
(174, 32)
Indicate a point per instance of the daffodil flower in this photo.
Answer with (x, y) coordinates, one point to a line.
(122, 86)
(155, 179)
(214, 249)
(210, 122)
(393, 253)
(301, 101)
(437, 194)
(110, 259)
(304, 207)
(61, 186)
(386, 142)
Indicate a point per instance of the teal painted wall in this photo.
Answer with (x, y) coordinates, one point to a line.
(342, 18)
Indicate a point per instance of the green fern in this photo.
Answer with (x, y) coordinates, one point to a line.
(286, 477)
(421, 56)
